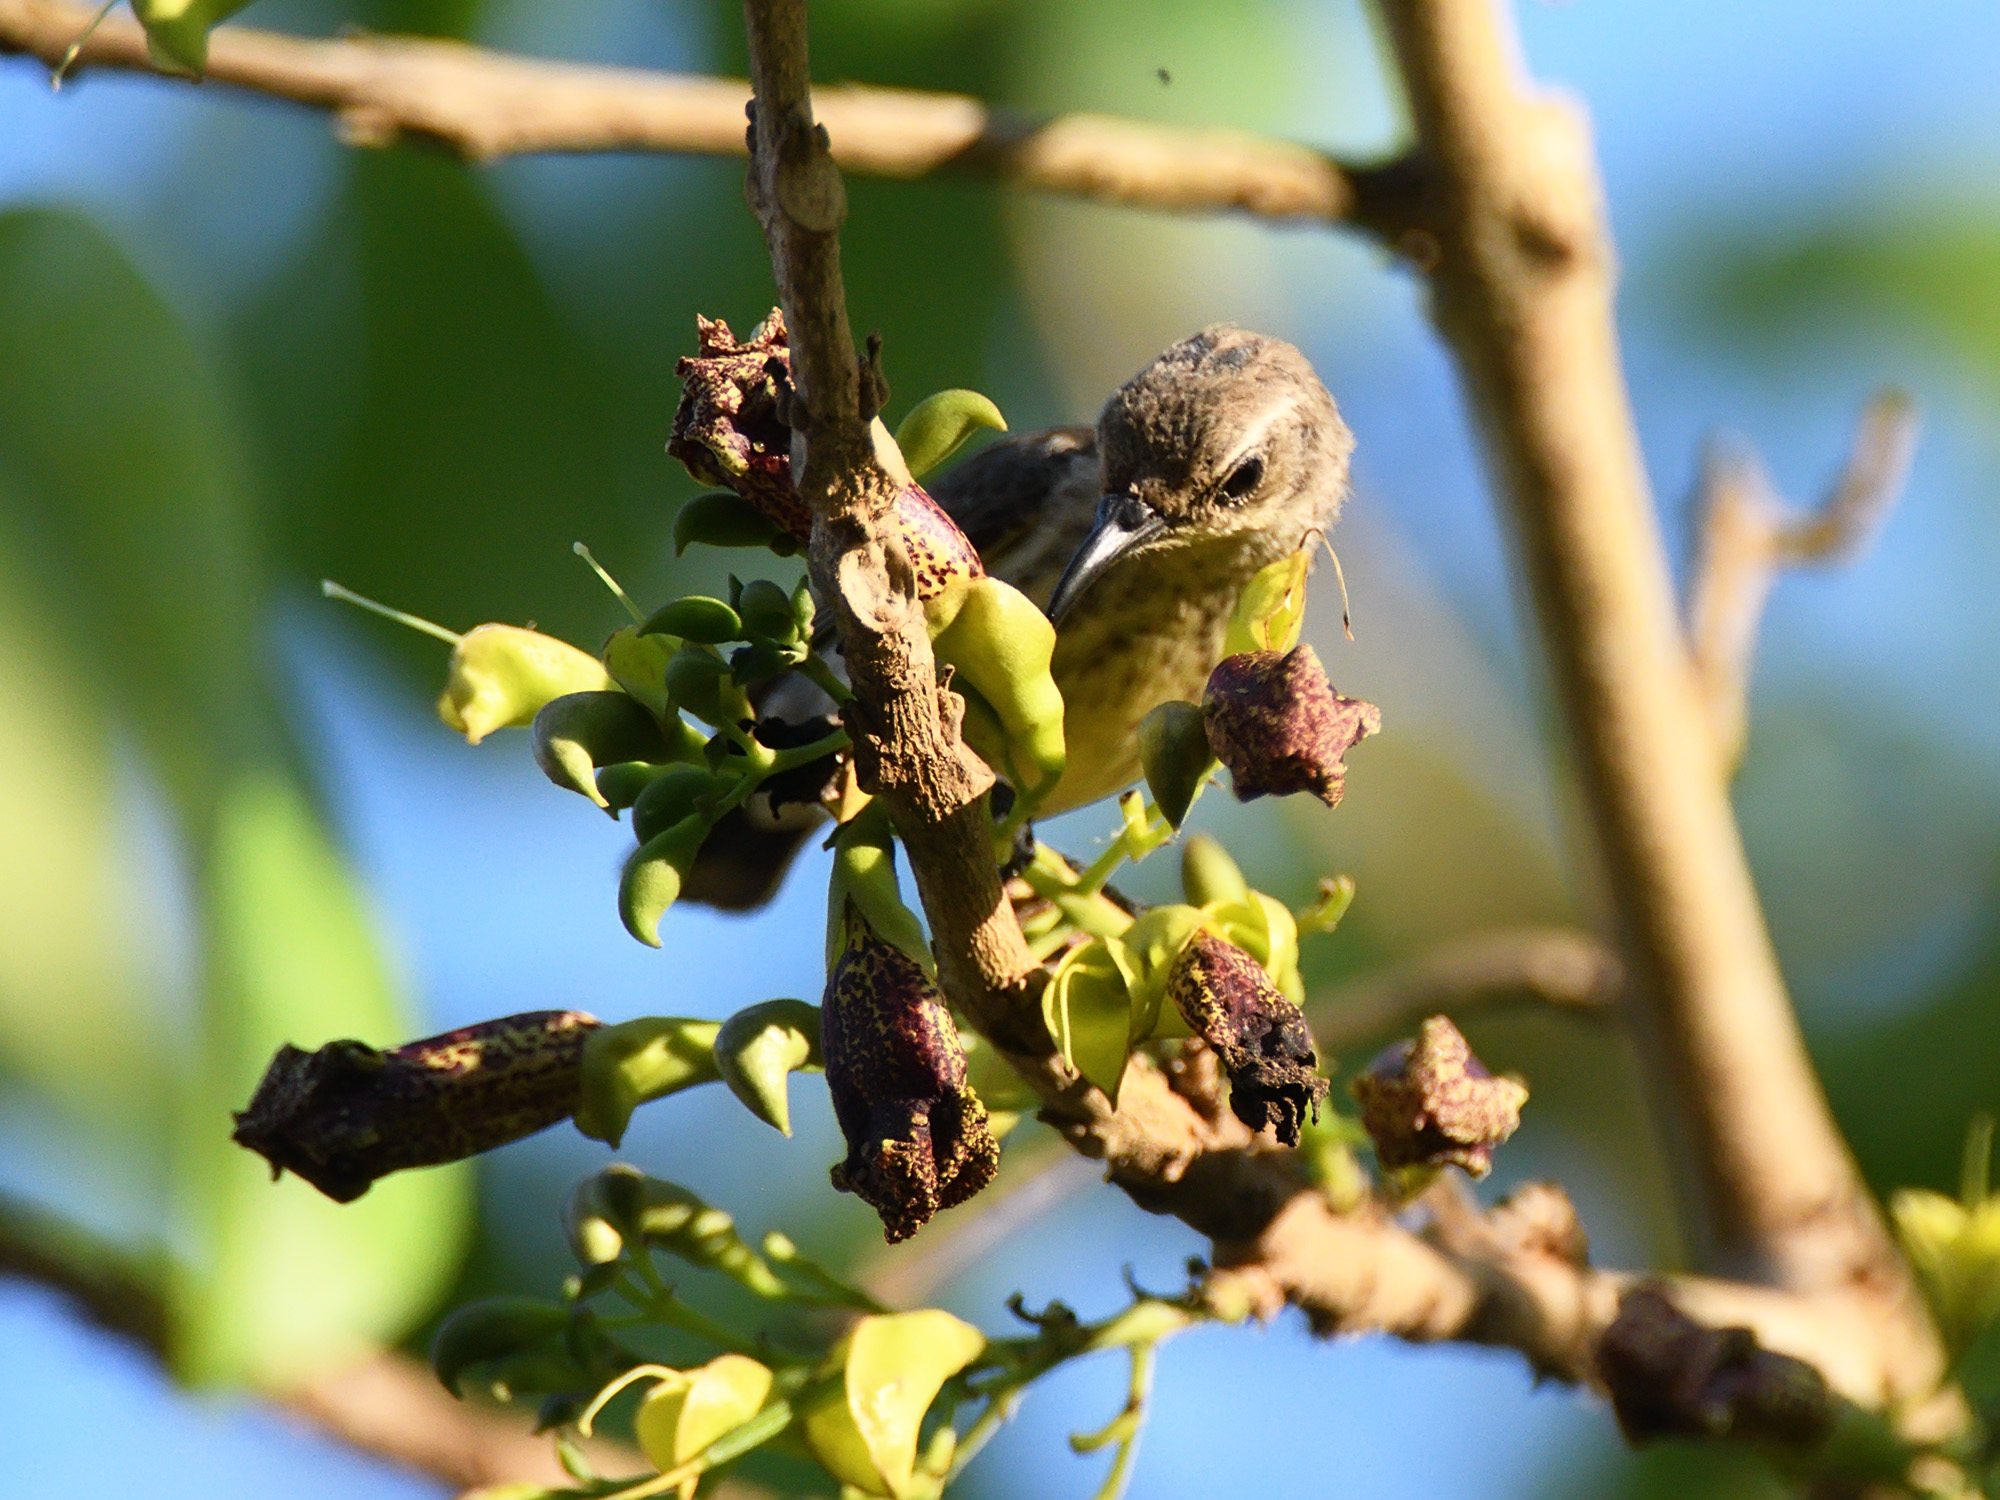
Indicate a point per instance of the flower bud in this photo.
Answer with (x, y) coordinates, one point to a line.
(939, 425)
(1209, 874)
(759, 1048)
(638, 664)
(621, 1208)
(1174, 754)
(698, 680)
(681, 1417)
(1431, 1103)
(917, 1136)
(668, 799)
(864, 1431)
(575, 734)
(177, 30)
(728, 430)
(1259, 1036)
(864, 876)
(636, 1062)
(1000, 644)
(654, 874)
(722, 519)
(766, 611)
(501, 676)
(622, 783)
(698, 618)
(1671, 1377)
(494, 1328)
(1279, 726)
(348, 1114)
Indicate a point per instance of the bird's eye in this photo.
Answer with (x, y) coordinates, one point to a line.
(1244, 478)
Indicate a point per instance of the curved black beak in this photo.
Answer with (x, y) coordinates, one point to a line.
(1123, 522)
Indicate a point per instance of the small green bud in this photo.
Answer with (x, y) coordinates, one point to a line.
(721, 519)
(759, 1048)
(638, 664)
(576, 733)
(1272, 611)
(682, 1416)
(803, 608)
(1174, 753)
(671, 798)
(1208, 874)
(177, 30)
(636, 1062)
(766, 611)
(620, 783)
(939, 425)
(697, 618)
(621, 1206)
(1001, 644)
(653, 875)
(864, 873)
(492, 1329)
(699, 681)
(502, 676)
(750, 665)
(864, 1431)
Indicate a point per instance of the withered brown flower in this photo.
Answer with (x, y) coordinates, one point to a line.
(1260, 1037)
(1670, 1376)
(729, 429)
(348, 1114)
(917, 1135)
(1279, 726)
(1430, 1102)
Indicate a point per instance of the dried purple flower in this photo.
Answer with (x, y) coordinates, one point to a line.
(729, 429)
(1279, 726)
(1670, 1376)
(1431, 1103)
(347, 1114)
(917, 1135)
(1260, 1037)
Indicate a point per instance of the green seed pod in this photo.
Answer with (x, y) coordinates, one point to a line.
(1000, 643)
(620, 783)
(1272, 611)
(864, 1431)
(1174, 753)
(767, 614)
(864, 872)
(492, 1329)
(573, 735)
(721, 519)
(1208, 874)
(670, 798)
(653, 875)
(758, 1049)
(938, 426)
(695, 618)
(177, 30)
(699, 681)
(682, 1416)
(501, 676)
(636, 1062)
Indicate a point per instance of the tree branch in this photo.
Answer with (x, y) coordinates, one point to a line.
(1748, 533)
(487, 105)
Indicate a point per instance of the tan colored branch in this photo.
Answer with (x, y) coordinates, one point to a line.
(486, 105)
(1555, 966)
(1748, 533)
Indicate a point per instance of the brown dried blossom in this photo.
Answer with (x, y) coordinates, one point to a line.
(917, 1135)
(1671, 1377)
(1279, 726)
(1430, 1102)
(347, 1114)
(1259, 1036)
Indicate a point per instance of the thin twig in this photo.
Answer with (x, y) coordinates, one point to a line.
(485, 105)
(1748, 534)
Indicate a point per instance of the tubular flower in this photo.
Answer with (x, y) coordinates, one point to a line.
(1430, 1102)
(1279, 726)
(347, 1114)
(918, 1139)
(1228, 1000)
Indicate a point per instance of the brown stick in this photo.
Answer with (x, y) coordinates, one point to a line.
(487, 105)
(1748, 533)
(1522, 291)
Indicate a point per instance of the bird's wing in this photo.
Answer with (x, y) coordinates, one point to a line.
(1026, 502)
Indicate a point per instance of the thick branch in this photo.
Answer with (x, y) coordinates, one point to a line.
(1748, 533)
(486, 105)
(1523, 292)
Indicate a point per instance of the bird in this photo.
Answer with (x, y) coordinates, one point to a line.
(1136, 537)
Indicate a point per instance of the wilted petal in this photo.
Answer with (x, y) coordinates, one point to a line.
(1279, 726)
(728, 430)
(1229, 1002)
(1430, 1102)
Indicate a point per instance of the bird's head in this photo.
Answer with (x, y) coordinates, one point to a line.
(1228, 435)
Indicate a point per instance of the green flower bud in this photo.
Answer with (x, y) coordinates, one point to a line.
(1087, 1007)
(1208, 874)
(697, 618)
(348, 1114)
(1174, 753)
(699, 681)
(638, 664)
(502, 676)
(636, 1062)
(177, 30)
(722, 519)
(767, 613)
(939, 425)
(864, 1431)
(1430, 1103)
(1272, 611)
(803, 608)
(622, 1207)
(750, 665)
(999, 644)
(671, 798)
(1955, 1251)
(654, 874)
(574, 734)
(493, 1329)
(621, 783)
(682, 1416)
(864, 875)
(759, 1048)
